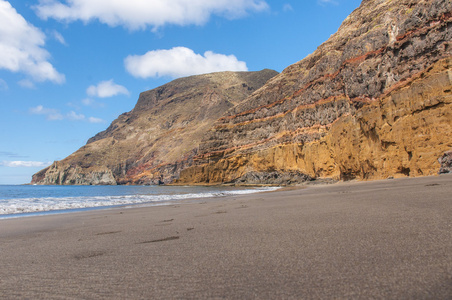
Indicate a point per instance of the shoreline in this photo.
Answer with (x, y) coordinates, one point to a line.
(378, 239)
(48, 200)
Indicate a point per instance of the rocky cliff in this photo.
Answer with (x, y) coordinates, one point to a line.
(374, 101)
(160, 136)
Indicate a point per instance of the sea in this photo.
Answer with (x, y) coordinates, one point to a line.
(32, 200)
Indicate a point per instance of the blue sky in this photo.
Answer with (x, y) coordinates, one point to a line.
(68, 68)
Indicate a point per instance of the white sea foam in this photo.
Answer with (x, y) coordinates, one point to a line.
(45, 204)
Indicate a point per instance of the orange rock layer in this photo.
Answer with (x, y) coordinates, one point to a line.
(402, 133)
(372, 102)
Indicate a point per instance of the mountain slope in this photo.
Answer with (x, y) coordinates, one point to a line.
(151, 143)
(374, 101)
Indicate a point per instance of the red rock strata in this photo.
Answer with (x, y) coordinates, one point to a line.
(373, 101)
(160, 136)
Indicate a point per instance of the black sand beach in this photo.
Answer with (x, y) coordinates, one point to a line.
(388, 239)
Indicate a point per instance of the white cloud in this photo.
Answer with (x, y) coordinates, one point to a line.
(21, 47)
(106, 89)
(73, 116)
(140, 14)
(52, 114)
(59, 37)
(95, 120)
(26, 164)
(179, 62)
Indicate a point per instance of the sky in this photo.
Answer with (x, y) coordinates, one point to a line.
(68, 68)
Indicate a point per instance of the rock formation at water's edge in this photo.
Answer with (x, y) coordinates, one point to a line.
(372, 102)
(160, 136)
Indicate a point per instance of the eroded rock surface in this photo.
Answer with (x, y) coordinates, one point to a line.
(372, 102)
(445, 162)
(160, 136)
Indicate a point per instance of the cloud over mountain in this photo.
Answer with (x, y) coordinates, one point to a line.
(106, 89)
(179, 62)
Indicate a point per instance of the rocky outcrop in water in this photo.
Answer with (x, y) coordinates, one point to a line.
(374, 101)
(63, 174)
(160, 136)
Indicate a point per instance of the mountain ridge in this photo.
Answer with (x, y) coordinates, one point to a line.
(345, 111)
(159, 136)
(372, 102)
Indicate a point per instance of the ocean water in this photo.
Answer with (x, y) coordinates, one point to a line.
(27, 200)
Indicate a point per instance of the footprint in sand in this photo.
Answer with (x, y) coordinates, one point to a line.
(109, 232)
(242, 206)
(171, 238)
(88, 254)
(165, 222)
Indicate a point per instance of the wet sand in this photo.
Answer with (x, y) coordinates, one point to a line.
(388, 239)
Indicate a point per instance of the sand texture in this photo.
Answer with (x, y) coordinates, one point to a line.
(389, 239)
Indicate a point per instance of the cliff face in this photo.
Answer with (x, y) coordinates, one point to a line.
(372, 102)
(160, 136)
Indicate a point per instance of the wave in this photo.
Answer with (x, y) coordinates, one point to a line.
(46, 204)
